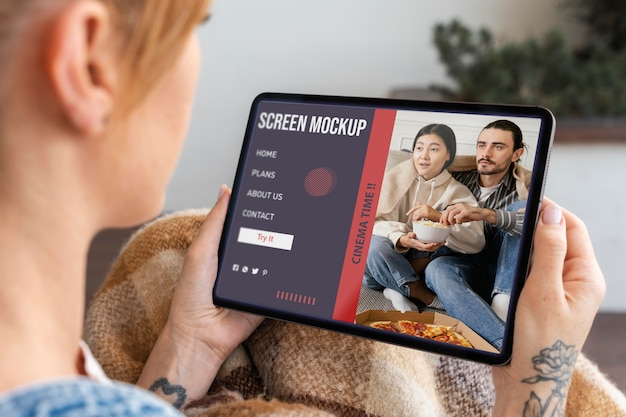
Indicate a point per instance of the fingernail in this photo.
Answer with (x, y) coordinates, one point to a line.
(222, 192)
(552, 215)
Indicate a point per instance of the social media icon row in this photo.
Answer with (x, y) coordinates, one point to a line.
(244, 269)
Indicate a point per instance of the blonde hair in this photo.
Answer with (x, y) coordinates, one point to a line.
(154, 35)
(156, 32)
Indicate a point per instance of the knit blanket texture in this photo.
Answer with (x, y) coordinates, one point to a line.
(285, 369)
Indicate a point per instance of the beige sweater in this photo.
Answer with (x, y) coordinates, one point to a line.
(402, 188)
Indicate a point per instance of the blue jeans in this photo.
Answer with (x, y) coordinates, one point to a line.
(465, 284)
(83, 397)
(451, 278)
(387, 268)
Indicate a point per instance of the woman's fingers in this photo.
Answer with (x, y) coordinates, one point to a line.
(550, 248)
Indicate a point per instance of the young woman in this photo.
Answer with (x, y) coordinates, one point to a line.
(95, 97)
(419, 188)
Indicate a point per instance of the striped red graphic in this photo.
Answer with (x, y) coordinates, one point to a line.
(296, 298)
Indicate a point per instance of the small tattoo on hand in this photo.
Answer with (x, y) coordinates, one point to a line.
(168, 389)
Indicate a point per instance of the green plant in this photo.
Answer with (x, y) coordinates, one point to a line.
(605, 20)
(588, 81)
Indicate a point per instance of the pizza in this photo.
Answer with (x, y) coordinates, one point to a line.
(438, 332)
(385, 325)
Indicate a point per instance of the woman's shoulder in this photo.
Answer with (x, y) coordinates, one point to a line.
(84, 397)
(400, 177)
(402, 169)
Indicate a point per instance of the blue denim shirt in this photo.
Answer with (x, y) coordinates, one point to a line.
(83, 397)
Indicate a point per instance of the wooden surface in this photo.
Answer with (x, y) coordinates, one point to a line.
(104, 249)
(606, 344)
(569, 130)
(590, 132)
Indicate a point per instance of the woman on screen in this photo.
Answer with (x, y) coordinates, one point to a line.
(418, 190)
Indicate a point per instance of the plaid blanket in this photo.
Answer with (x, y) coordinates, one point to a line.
(285, 369)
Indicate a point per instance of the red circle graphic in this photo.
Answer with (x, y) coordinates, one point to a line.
(320, 182)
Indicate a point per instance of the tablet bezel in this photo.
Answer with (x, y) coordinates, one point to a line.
(535, 193)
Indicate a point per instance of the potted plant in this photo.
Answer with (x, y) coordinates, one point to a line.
(584, 86)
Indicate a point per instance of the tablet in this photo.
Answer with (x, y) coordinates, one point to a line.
(324, 181)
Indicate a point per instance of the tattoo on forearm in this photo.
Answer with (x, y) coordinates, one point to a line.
(556, 365)
(168, 389)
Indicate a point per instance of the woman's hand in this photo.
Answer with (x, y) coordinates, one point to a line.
(423, 211)
(555, 312)
(198, 335)
(193, 316)
(410, 240)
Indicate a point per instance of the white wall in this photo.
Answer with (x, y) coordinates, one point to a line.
(466, 129)
(361, 48)
(349, 47)
(589, 181)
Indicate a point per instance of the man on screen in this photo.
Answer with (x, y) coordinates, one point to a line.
(476, 289)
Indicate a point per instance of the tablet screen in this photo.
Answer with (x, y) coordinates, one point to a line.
(306, 205)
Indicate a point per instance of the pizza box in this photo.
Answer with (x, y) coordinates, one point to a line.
(476, 340)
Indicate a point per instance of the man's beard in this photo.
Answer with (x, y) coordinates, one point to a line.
(491, 169)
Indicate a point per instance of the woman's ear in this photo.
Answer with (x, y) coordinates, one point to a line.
(80, 64)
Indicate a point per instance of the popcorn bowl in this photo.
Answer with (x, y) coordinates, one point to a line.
(428, 231)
